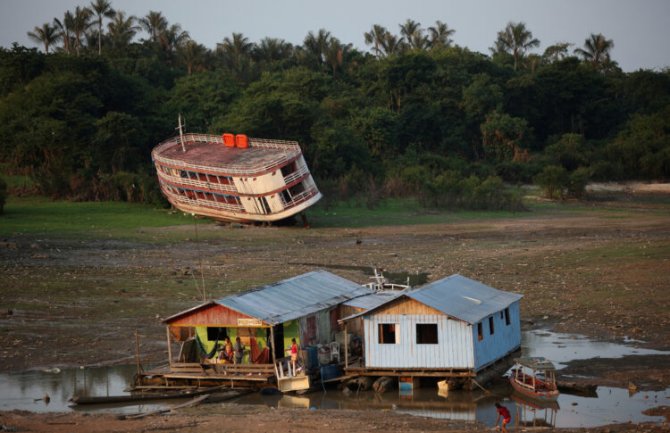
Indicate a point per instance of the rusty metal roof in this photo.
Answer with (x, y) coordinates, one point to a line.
(463, 298)
(373, 300)
(295, 297)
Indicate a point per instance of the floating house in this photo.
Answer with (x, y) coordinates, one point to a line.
(234, 177)
(454, 327)
(266, 319)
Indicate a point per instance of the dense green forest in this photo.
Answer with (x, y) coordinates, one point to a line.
(415, 116)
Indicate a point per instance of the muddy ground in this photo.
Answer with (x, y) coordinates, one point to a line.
(602, 270)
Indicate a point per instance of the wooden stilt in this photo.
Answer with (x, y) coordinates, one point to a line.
(167, 328)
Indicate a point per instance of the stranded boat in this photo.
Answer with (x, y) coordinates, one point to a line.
(534, 377)
(234, 177)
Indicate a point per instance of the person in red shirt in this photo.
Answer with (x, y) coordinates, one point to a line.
(505, 415)
(294, 354)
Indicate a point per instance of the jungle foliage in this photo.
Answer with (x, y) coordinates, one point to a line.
(416, 116)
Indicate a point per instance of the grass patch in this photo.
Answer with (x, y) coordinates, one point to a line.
(41, 216)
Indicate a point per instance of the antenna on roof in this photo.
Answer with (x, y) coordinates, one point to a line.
(180, 127)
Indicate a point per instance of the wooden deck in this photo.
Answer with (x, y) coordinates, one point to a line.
(201, 375)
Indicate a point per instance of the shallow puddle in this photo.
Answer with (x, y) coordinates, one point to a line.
(26, 391)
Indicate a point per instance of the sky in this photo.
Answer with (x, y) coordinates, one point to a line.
(640, 29)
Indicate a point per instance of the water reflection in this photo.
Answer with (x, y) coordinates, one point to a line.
(25, 391)
(563, 348)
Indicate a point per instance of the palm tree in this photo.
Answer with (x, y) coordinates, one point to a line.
(236, 52)
(393, 44)
(154, 23)
(65, 30)
(596, 50)
(173, 37)
(556, 52)
(316, 44)
(413, 34)
(193, 55)
(47, 35)
(440, 35)
(81, 23)
(376, 37)
(271, 50)
(516, 40)
(102, 9)
(334, 53)
(122, 29)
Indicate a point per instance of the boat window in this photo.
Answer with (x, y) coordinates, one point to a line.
(286, 196)
(288, 169)
(426, 333)
(491, 330)
(297, 189)
(507, 321)
(387, 333)
(480, 331)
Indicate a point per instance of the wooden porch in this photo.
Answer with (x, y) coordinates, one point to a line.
(193, 374)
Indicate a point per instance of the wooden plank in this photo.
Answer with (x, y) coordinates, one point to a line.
(190, 403)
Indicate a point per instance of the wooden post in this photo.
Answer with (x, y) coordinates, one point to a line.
(167, 328)
(272, 338)
(137, 353)
(346, 346)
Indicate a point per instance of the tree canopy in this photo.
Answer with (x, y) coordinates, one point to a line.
(82, 115)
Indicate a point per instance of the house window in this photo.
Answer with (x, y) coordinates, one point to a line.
(214, 334)
(426, 333)
(491, 330)
(507, 321)
(387, 333)
(480, 331)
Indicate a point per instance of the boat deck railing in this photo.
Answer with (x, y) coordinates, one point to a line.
(291, 148)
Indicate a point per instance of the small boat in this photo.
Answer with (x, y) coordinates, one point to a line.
(534, 377)
(234, 178)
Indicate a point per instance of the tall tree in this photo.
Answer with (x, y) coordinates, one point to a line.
(102, 9)
(376, 37)
(596, 50)
(81, 23)
(65, 29)
(334, 54)
(516, 40)
(413, 34)
(440, 35)
(193, 55)
(172, 38)
(556, 52)
(47, 35)
(154, 23)
(122, 29)
(236, 53)
(316, 45)
(270, 50)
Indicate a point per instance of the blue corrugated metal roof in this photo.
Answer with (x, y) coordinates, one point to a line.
(463, 298)
(295, 297)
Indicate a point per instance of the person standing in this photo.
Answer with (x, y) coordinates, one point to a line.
(239, 350)
(505, 415)
(294, 354)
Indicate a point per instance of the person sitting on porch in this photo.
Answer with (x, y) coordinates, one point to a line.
(239, 350)
(227, 352)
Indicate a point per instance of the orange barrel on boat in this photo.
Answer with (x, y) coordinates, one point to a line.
(242, 141)
(229, 139)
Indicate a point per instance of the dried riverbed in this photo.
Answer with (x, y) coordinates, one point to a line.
(602, 272)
